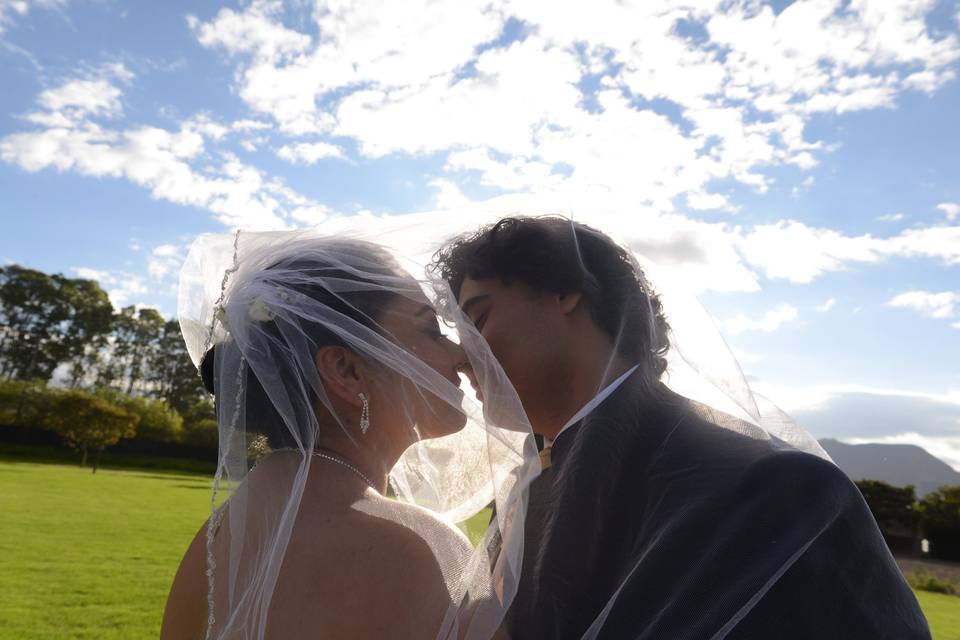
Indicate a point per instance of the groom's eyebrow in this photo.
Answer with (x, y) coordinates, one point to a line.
(466, 306)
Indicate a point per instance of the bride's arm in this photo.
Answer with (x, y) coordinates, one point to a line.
(184, 617)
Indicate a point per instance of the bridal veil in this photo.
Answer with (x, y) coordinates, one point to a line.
(259, 303)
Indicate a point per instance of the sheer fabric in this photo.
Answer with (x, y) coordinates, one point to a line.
(689, 455)
(266, 302)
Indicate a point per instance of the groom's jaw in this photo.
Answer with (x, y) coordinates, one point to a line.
(523, 328)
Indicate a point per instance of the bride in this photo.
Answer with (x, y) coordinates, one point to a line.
(329, 365)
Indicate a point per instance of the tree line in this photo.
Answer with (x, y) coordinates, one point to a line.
(73, 365)
(936, 516)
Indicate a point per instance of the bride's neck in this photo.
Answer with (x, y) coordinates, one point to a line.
(373, 462)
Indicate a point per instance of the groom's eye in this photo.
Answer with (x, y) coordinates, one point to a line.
(481, 320)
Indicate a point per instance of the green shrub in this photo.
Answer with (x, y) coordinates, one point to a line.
(926, 582)
(23, 402)
(202, 433)
(158, 421)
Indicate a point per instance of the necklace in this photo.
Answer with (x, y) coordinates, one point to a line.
(346, 464)
(327, 456)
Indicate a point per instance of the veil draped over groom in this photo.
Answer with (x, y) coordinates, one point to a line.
(706, 584)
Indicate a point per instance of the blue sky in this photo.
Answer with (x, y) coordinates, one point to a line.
(794, 164)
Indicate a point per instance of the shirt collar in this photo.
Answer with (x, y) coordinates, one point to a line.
(590, 406)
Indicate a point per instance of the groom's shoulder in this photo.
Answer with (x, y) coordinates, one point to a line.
(802, 476)
(747, 458)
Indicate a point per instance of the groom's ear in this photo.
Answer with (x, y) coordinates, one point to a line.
(569, 301)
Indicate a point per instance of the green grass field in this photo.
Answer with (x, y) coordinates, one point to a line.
(943, 614)
(92, 556)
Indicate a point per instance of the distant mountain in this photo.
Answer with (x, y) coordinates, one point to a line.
(896, 464)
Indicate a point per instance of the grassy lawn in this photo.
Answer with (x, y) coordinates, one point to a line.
(92, 556)
(943, 614)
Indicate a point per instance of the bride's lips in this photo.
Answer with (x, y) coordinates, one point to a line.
(473, 382)
(456, 382)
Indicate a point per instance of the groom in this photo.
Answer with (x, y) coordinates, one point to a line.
(657, 517)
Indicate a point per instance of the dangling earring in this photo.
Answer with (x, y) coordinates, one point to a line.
(364, 413)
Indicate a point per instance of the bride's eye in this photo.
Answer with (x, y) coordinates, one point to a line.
(435, 332)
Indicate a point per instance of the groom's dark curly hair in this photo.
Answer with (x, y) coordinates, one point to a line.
(557, 255)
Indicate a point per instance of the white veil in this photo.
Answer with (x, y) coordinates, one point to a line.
(266, 301)
(261, 304)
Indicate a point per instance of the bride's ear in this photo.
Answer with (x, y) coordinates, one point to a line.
(569, 301)
(340, 370)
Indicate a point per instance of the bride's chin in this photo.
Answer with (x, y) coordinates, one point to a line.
(443, 426)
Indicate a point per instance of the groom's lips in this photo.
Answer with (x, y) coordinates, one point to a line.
(473, 382)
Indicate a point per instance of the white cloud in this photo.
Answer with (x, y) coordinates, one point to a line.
(84, 97)
(87, 273)
(950, 209)
(253, 30)
(448, 195)
(932, 305)
(857, 413)
(11, 9)
(928, 242)
(249, 125)
(827, 305)
(798, 399)
(793, 251)
(737, 103)
(121, 286)
(163, 260)
(126, 289)
(309, 152)
(501, 107)
(891, 217)
(804, 185)
(173, 165)
(770, 321)
(165, 250)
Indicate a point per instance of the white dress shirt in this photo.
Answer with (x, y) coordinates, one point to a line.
(590, 406)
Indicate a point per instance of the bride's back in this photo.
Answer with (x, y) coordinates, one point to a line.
(357, 565)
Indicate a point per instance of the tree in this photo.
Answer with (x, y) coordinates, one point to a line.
(940, 512)
(32, 314)
(890, 504)
(90, 322)
(89, 423)
(49, 320)
(134, 345)
(175, 377)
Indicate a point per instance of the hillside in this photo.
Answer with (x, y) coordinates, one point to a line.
(896, 464)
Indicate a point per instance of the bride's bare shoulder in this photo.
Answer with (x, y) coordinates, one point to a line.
(374, 573)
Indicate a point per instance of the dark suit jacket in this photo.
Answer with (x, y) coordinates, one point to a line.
(681, 528)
